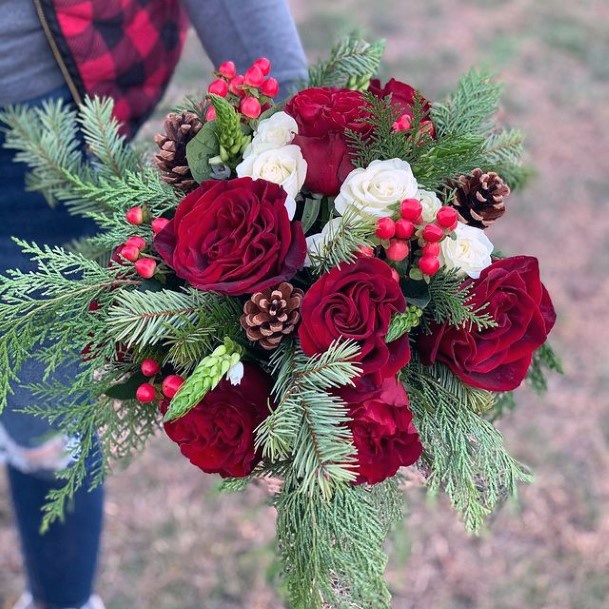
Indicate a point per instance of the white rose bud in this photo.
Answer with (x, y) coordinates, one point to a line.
(316, 244)
(377, 187)
(284, 166)
(470, 252)
(430, 202)
(235, 374)
(273, 132)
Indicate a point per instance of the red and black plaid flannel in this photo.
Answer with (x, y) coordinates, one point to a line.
(124, 49)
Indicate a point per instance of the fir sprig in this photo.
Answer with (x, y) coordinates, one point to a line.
(449, 303)
(354, 231)
(352, 60)
(308, 423)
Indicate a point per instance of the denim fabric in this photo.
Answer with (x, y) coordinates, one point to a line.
(28, 216)
(61, 564)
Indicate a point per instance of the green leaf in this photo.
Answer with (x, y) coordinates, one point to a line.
(416, 292)
(126, 390)
(310, 213)
(203, 147)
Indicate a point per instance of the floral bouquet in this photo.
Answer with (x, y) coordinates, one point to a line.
(302, 292)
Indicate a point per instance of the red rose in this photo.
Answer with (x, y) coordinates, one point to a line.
(497, 359)
(402, 95)
(233, 237)
(323, 114)
(218, 434)
(383, 433)
(356, 301)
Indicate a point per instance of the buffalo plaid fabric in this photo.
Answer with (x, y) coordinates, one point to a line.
(124, 49)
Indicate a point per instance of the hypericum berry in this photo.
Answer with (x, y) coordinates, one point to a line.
(149, 367)
(250, 107)
(145, 267)
(145, 393)
(236, 84)
(402, 124)
(171, 384)
(447, 217)
(227, 69)
(135, 215)
(253, 77)
(363, 251)
(136, 241)
(218, 87)
(270, 87)
(397, 250)
(264, 64)
(210, 114)
(429, 264)
(431, 249)
(433, 233)
(404, 229)
(158, 224)
(385, 228)
(410, 209)
(130, 252)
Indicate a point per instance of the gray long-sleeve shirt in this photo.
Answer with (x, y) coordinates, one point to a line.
(239, 30)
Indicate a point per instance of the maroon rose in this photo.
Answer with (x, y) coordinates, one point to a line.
(496, 359)
(323, 114)
(383, 433)
(218, 434)
(233, 237)
(356, 301)
(403, 96)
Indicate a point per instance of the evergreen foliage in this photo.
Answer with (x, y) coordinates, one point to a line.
(464, 451)
(352, 60)
(332, 549)
(307, 423)
(342, 243)
(449, 303)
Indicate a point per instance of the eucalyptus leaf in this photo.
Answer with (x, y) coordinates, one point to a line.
(127, 389)
(416, 292)
(203, 147)
(310, 213)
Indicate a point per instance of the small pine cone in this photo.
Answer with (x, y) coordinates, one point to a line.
(480, 198)
(270, 315)
(171, 159)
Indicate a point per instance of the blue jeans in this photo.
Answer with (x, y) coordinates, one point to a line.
(61, 564)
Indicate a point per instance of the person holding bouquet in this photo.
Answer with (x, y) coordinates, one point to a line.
(127, 50)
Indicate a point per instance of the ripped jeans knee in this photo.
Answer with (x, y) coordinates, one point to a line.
(41, 457)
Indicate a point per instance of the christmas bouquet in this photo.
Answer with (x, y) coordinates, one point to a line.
(304, 292)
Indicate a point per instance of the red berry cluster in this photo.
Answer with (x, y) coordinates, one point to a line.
(147, 392)
(133, 247)
(250, 92)
(398, 234)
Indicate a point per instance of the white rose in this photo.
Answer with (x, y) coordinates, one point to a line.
(274, 132)
(430, 202)
(470, 251)
(284, 166)
(376, 187)
(316, 244)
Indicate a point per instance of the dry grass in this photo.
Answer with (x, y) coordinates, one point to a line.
(172, 542)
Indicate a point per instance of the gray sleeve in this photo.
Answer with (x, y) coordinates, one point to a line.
(243, 30)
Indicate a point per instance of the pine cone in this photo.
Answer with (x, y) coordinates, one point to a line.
(270, 315)
(171, 160)
(480, 198)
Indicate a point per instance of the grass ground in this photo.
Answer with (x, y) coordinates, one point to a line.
(173, 542)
